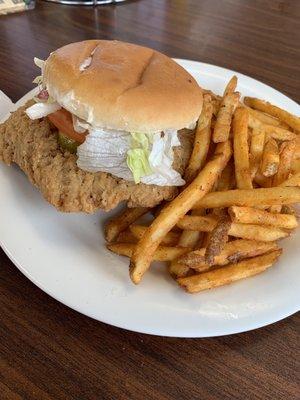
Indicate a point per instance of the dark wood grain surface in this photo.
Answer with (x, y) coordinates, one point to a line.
(48, 351)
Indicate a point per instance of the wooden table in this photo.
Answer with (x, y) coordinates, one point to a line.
(48, 351)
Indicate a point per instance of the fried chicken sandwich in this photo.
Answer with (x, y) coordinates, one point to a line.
(112, 122)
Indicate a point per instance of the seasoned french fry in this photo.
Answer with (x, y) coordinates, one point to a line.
(196, 260)
(198, 223)
(283, 125)
(292, 120)
(262, 180)
(297, 148)
(236, 208)
(256, 149)
(256, 232)
(275, 132)
(213, 95)
(126, 237)
(217, 239)
(250, 198)
(201, 141)
(270, 159)
(286, 155)
(187, 239)
(227, 179)
(248, 215)
(175, 210)
(215, 101)
(290, 210)
(264, 118)
(178, 270)
(278, 133)
(275, 209)
(233, 252)
(224, 117)
(230, 273)
(231, 86)
(196, 162)
(295, 167)
(122, 221)
(215, 108)
(240, 149)
(162, 253)
(244, 231)
(170, 239)
(294, 180)
(206, 239)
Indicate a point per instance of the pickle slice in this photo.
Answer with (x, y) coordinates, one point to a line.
(67, 143)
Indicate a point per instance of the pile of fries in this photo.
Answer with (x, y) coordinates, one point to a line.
(242, 179)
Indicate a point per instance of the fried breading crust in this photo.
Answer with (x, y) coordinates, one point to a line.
(33, 146)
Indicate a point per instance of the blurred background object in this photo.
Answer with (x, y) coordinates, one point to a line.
(12, 6)
(86, 2)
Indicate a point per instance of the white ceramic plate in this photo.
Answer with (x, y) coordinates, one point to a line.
(65, 255)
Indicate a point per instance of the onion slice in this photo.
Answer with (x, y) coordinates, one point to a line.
(40, 110)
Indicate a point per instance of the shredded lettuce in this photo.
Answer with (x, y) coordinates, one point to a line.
(140, 140)
(138, 156)
(106, 151)
(161, 160)
(38, 80)
(131, 156)
(38, 62)
(137, 161)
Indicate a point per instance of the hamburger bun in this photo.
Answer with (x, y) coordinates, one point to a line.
(117, 85)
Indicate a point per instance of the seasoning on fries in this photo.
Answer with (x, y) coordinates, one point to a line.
(223, 123)
(121, 222)
(257, 142)
(237, 203)
(240, 230)
(170, 239)
(201, 141)
(228, 274)
(276, 132)
(286, 154)
(217, 239)
(169, 216)
(241, 149)
(251, 198)
(270, 158)
(268, 108)
(188, 238)
(248, 215)
(233, 252)
(294, 180)
(231, 86)
(264, 118)
(162, 253)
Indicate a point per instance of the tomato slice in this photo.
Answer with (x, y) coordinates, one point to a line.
(62, 119)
